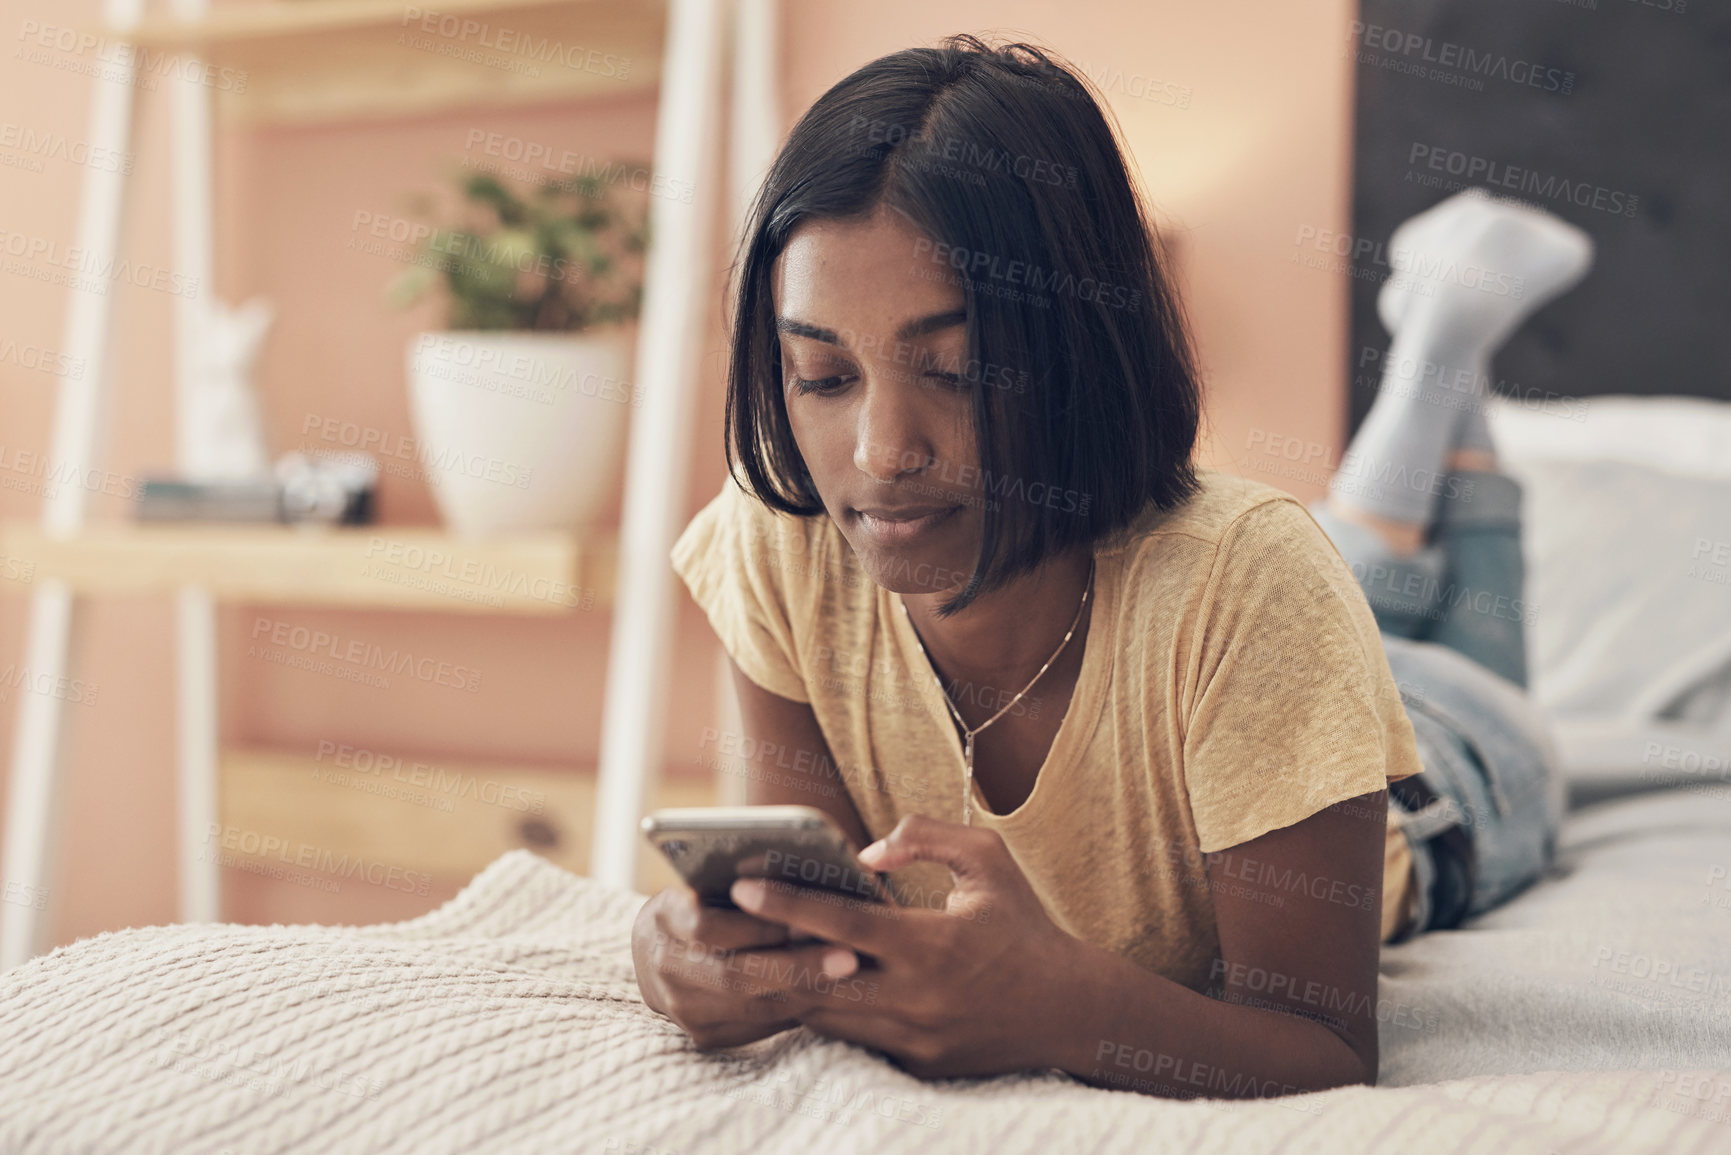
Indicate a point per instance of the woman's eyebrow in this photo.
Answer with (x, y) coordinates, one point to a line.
(919, 327)
(931, 324)
(802, 329)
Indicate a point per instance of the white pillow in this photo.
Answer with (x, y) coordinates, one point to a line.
(1690, 436)
(1628, 606)
(1627, 541)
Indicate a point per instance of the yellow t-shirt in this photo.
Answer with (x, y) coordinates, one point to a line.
(1233, 682)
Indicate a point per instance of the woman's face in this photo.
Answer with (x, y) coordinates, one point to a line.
(873, 347)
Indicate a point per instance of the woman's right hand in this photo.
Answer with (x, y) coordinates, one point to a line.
(687, 968)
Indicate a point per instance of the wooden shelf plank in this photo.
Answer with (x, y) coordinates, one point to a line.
(423, 815)
(315, 61)
(261, 19)
(384, 567)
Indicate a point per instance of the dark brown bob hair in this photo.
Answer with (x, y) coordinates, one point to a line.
(1004, 159)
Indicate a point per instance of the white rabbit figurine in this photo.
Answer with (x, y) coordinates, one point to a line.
(221, 434)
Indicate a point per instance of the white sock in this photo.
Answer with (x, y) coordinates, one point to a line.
(1472, 268)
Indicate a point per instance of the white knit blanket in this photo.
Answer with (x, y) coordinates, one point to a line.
(508, 1020)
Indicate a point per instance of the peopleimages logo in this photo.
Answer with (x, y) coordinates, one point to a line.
(427, 247)
(311, 643)
(357, 764)
(39, 40)
(1480, 170)
(514, 42)
(41, 359)
(370, 439)
(1413, 268)
(73, 690)
(482, 577)
(1454, 63)
(489, 362)
(580, 169)
(23, 894)
(45, 259)
(975, 156)
(294, 853)
(1278, 989)
(979, 266)
(1167, 1071)
(38, 145)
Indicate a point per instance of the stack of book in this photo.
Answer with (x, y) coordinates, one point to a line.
(334, 490)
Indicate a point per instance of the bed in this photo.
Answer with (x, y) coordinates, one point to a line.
(1590, 1014)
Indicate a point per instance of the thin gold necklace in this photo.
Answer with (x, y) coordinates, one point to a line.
(967, 734)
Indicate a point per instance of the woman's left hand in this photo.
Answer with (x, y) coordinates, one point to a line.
(971, 990)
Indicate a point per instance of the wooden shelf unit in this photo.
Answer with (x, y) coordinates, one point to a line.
(437, 817)
(312, 61)
(378, 567)
(317, 61)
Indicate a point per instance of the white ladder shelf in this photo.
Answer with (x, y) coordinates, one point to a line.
(675, 316)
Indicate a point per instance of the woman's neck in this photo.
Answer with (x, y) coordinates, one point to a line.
(1002, 639)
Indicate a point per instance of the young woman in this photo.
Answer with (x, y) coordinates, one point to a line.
(1121, 731)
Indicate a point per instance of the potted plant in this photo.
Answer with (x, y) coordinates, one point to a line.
(519, 405)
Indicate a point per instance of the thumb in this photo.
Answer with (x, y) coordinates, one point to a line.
(974, 856)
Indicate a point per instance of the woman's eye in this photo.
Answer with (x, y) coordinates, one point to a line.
(816, 384)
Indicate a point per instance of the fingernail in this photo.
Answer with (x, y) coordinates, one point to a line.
(872, 853)
(839, 962)
(748, 892)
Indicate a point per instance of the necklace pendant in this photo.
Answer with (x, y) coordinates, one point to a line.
(967, 734)
(968, 780)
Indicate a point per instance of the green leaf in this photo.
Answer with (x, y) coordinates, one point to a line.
(562, 256)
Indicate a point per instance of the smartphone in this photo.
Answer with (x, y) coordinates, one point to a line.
(710, 846)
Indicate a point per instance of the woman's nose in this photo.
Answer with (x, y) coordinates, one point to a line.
(888, 442)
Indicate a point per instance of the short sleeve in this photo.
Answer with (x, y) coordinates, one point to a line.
(1292, 706)
(733, 557)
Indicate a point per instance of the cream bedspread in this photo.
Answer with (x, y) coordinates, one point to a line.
(508, 1020)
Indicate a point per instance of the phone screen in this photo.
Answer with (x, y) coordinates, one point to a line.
(710, 852)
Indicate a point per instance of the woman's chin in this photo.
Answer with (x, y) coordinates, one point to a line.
(909, 571)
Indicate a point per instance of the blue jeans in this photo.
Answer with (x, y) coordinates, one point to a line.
(1482, 817)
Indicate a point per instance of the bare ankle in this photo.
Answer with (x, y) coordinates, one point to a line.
(1482, 460)
(1403, 537)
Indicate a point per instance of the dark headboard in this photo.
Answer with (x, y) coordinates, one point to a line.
(1629, 101)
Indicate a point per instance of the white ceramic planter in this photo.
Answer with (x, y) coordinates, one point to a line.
(516, 430)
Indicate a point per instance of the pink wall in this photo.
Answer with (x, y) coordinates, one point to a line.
(1239, 116)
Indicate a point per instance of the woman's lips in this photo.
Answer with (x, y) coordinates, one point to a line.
(900, 531)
